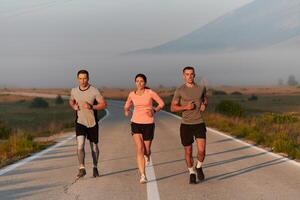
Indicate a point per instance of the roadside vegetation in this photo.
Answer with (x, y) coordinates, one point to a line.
(269, 121)
(24, 120)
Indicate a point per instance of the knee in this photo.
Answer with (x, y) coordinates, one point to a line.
(95, 148)
(201, 153)
(80, 146)
(80, 142)
(140, 149)
(188, 152)
(148, 153)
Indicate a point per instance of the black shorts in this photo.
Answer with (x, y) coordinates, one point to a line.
(147, 130)
(189, 131)
(91, 134)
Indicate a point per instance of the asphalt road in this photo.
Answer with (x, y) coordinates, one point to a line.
(233, 169)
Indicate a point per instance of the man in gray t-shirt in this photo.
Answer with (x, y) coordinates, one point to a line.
(191, 100)
(86, 100)
(86, 117)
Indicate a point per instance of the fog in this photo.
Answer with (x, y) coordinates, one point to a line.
(44, 43)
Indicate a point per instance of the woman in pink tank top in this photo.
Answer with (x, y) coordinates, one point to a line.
(142, 121)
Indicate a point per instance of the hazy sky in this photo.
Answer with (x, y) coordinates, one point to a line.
(115, 26)
(44, 42)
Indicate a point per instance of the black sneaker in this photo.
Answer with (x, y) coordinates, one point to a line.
(81, 173)
(95, 172)
(193, 179)
(200, 173)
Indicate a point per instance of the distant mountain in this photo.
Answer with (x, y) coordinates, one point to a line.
(259, 24)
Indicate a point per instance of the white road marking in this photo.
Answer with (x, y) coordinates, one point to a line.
(242, 142)
(35, 156)
(31, 158)
(152, 188)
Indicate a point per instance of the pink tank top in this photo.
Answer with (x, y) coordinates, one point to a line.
(142, 106)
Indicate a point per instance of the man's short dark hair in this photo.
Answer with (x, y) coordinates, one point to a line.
(82, 71)
(188, 68)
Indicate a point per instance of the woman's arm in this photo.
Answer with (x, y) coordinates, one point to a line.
(158, 100)
(127, 105)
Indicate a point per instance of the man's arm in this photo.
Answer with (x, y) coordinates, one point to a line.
(204, 100)
(101, 104)
(204, 104)
(177, 108)
(73, 103)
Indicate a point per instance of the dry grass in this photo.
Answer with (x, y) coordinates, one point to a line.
(33, 90)
(121, 93)
(17, 147)
(7, 98)
(25, 124)
(275, 90)
(110, 93)
(280, 132)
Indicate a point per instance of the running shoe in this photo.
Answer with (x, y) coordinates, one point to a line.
(95, 172)
(193, 179)
(143, 179)
(81, 173)
(200, 174)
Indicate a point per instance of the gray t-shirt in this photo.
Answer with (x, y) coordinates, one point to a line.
(86, 117)
(183, 95)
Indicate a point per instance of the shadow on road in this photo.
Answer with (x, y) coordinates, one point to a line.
(217, 163)
(118, 172)
(6, 183)
(54, 157)
(23, 192)
(228, 151)
(29, 170)
(169, 176)
(247, 169)
(223, 140)
(227, 174)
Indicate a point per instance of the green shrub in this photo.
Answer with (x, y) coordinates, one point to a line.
(230, 108)
(39, 102)
(283, 142)
(278, 118)
(297, 152)
(21, 101)
(59, 100)
(225, 126)
(253, 97)
(5, 131)
(285, 146)
(25, 146)
(236, 93)
(218, 92)
(17, 146)
(239, 131)
(284, 119)
(256, 135)
(276, 100)
(68, 125)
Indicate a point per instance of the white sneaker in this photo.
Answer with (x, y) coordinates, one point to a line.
(143, 179)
